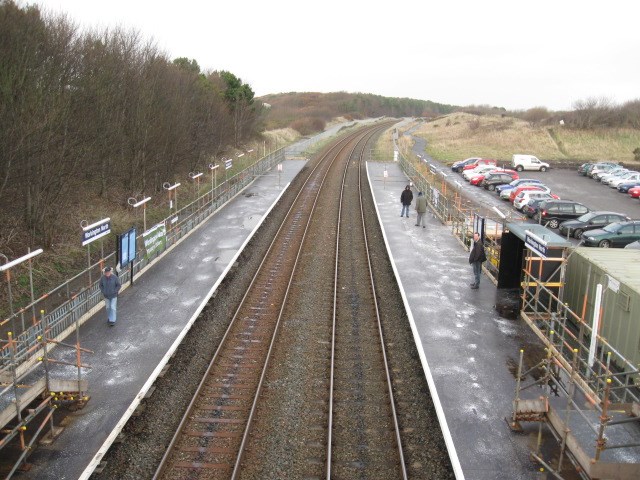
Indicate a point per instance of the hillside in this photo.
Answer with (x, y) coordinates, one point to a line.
(460, 135)
(309, 112)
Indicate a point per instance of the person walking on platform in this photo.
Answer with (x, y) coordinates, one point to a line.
(110, 286)
(421, 209)
(476, 258)
(406, 198)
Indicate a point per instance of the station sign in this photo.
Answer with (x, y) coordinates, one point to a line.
(228, 164)
(95, 231)
(535, 244)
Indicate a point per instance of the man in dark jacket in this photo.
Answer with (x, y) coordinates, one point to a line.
(476, 257)
(110, 286)
(406, 198)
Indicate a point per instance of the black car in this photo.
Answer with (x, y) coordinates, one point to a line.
(458, 166)
(493, 180)
(552, 212)
(590, 221)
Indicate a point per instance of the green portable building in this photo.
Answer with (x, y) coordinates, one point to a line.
(618, 271)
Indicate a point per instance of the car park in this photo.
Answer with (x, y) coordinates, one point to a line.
(618, 234)
(458, 166)
(628, 177)
(528, 162)
(478, 163)
(496, 179)
(553, 212)
(590, 221)
(514, 184)
(524, 197)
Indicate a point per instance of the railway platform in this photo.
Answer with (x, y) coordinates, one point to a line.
(153, 317)
(466, 348)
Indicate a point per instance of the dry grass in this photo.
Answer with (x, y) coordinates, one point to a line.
(283, 136)
(461, 135)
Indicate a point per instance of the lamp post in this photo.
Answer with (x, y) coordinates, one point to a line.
(168, 187)
(135, 204)
(196, 177)
(7, 268)
(214, 177)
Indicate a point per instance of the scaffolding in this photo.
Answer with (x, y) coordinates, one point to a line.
(29, 397)
(590, 397)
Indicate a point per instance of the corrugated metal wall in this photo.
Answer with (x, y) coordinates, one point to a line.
(620, 322)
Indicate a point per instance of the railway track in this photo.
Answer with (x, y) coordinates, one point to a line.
(301, 385)
(364, 438)
(212, 435)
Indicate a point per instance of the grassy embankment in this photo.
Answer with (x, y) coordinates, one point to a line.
(460, 135)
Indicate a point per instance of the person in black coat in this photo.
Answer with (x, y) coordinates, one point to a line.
(476, 258)
(406, 198)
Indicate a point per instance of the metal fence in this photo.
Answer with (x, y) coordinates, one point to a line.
(59, 309)
(451, 206)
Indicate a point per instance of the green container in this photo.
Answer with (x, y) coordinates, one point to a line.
(618, 271)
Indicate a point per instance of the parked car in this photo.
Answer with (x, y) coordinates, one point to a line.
(515, 183)
(631, 176)
(614, 171)
(625, 186)
(600, 167)
(531, 208)
(618, 234)
(458, 166)
(634, 192)
(552, 212)
(609, 180)
(634, 245)
(590, 221)
(495, 179)
(523, 188)
(582, 169)
(467, 174)
(523, 198)
(479, 162)
(478, 179)
(528, 162)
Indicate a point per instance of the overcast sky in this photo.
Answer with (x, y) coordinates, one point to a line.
(510, 53)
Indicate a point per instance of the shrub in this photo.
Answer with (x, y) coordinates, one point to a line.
(636, 154)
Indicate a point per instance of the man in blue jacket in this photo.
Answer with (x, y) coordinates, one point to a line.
(110, 286)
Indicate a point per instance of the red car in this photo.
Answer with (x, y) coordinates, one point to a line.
(526, 188)
(478, 162)
(634, 192)
(477, 180)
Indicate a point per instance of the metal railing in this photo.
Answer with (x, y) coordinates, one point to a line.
(451, 207)
(77, 296)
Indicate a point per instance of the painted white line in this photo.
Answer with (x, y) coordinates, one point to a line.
(154, 375)
(442, 419)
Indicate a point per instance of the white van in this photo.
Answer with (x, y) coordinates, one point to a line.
(528, 162)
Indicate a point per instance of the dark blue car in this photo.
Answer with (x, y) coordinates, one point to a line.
(625, 186)
(458, 166)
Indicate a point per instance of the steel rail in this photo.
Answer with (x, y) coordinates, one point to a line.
(236, 469)
(380, 331)
(334, 315)
(164, 461)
